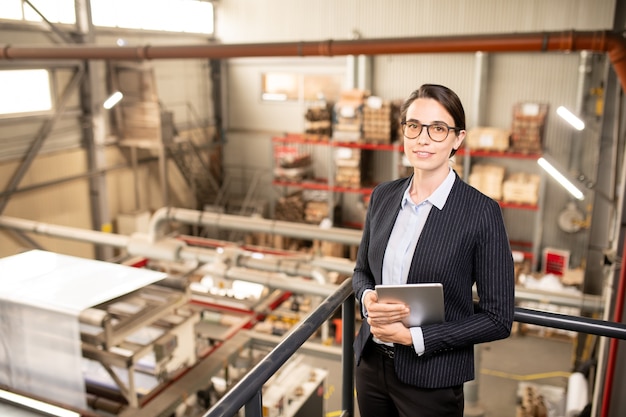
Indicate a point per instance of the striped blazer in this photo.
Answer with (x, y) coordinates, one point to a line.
(464, 244)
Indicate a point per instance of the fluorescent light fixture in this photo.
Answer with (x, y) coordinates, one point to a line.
(570, 118)
(112, 100)
(550, 168)
(33, 404)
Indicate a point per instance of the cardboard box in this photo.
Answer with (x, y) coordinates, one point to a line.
(521, 188)
(488, 179)
(488, 138)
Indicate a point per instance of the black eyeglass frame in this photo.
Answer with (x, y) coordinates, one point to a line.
(455, 128)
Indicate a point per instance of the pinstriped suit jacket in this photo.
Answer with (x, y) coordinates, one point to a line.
(463, 244)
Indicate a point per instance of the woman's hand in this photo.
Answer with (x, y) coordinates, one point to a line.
(385, 320)
(392, 333)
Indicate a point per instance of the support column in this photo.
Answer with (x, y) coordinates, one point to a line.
(93, 127)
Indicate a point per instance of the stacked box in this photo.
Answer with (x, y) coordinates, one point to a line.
(348, 116)
(316, 211)
(380, 120)
(142, 120)
(488, 138)
(324, 248)
(316, 205)
(348, 177)
(290, 208)
(540, 400)
(318, 119)
(291, 163)
(528, 126)
(348, 167)
(522, 188)
(488, 179)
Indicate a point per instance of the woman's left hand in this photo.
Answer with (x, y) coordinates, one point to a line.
(391, 332)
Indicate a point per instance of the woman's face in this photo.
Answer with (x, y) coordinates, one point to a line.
(422, 152)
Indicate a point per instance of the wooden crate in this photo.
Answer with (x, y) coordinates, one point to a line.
(379, 120)
(521, 188)
(488, 138)
(488, 179)
(141, 120)
(316, 211)
(528, 127)
(325, 248)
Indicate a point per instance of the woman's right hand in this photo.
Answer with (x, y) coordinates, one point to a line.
(383, 313)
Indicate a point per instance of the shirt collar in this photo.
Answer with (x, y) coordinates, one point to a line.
(438, 197)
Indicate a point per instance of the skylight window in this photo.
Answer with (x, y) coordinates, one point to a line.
(25, 91)
(188, 16)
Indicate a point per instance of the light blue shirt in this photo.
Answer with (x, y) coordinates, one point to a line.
(403, 240)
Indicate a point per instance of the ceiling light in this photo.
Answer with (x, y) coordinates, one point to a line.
(570, 118)
(550, 168)
(112, 100)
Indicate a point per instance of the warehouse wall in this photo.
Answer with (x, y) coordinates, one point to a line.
(55, 189)
(511, 77)
(184, 87)
(66, 202)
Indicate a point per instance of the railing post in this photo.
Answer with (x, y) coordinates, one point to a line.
(254, 406)
(347, 355)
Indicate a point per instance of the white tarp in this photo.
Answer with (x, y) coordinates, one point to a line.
(41, 296)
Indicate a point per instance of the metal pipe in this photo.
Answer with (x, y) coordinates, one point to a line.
(141, 246)
(348, 321)
(612, 355)
(568, 41)
(82, 235)
(250, 224)
(578, 324)
(308, 348)
(278, 280)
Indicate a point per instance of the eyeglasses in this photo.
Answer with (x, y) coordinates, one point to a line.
(437, 131)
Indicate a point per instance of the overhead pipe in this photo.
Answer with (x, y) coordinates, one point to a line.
(250, 224)
(604, 41)
(66, 232)
(170, 249)
(140, 245)
(286, 266)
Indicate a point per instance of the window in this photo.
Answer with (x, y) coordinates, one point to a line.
(56, 11)
(24, 91)
(280, 86)
(192, 16)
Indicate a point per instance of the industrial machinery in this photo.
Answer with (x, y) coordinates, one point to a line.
(93, 338)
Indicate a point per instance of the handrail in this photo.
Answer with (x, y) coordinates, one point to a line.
(573, 323)
(247, 393)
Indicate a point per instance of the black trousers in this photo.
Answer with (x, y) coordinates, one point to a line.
(380, 393)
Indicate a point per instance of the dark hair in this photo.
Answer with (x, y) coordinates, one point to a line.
(444, 96)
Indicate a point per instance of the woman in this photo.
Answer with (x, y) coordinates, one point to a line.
(429, 227)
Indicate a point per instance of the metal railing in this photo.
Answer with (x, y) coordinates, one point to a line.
(247, 392)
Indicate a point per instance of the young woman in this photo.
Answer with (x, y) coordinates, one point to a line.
(429, 227)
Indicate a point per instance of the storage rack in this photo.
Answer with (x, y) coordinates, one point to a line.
(530, 249)
(328, 184)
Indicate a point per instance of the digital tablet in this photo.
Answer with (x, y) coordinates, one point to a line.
(424, 300)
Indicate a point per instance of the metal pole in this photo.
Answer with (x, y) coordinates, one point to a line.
(347, 356)
(254, 407)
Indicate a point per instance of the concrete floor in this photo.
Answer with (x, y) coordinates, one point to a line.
(509, 366)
